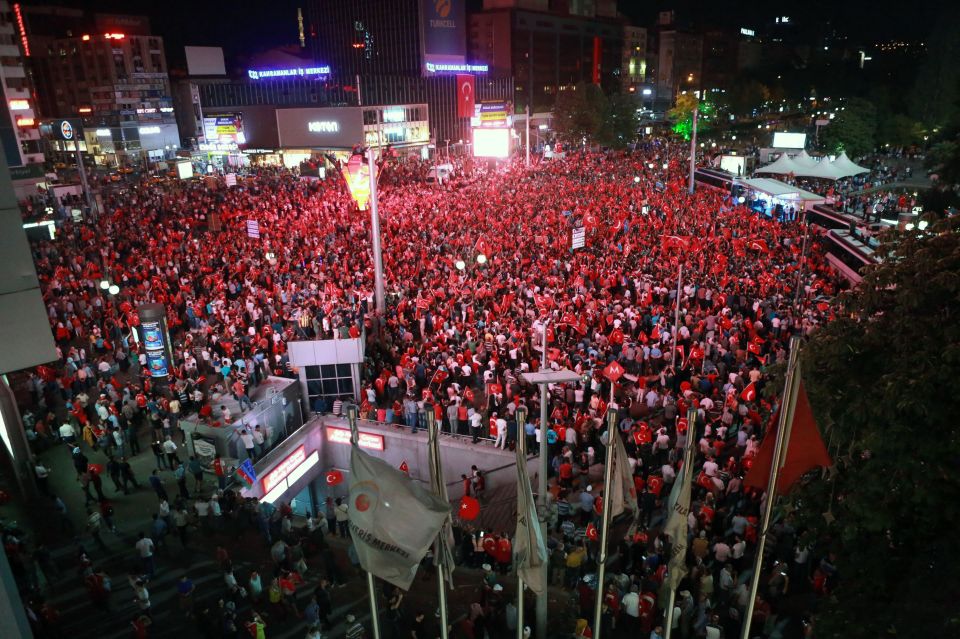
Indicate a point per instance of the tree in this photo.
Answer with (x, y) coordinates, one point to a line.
(879, 379)
(900, 130)
(681, 115)
(619, 124)
(854, 129)
(578, 113)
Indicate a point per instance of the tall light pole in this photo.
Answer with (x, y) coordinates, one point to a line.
(521, 415)
(693, 146)
(375, 228)
(544, 379)
(528, 140)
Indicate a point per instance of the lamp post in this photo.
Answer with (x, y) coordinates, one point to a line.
(544, 379)
(521, 414)
(362, 182)
(431, 418)
(605, 519)
(693, 147)
(352, 411)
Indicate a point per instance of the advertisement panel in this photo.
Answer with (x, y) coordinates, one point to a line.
(306, 128)
(443, 30)
(491, 143)
(493, 114)
(152, 335)
(789, 140)
(222, 132)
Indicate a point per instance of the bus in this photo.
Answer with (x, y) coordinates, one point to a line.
(848, 254)
(718, 179)
(829, 219)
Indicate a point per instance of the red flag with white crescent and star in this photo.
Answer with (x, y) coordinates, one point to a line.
(465, 96)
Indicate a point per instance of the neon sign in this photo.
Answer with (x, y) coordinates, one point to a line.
(279, 472)
(324, 126)
(261, 74)
(433, 67)
(364, 440)
(22, 29)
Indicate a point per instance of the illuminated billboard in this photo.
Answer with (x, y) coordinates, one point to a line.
(444, 33)
(223, 132)
(789, 140)
(491, 143)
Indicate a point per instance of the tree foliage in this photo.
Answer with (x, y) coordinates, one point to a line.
(936, 95)
(854, 129)
(880, 379)
(586, 114)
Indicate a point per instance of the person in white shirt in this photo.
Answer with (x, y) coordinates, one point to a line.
(67, 433)
(630, 604)
(246, 437)
(501, 441)
(710, 467)
(145, 549)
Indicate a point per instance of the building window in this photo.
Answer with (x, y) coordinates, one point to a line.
(330, 381)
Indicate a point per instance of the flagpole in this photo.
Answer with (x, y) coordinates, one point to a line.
(786, 409)
(686, 476)
(371, 586)
(379, 297)
(802, 268)
(676, 318)
(544, 469)
(439, 556)
(521, 417)
(604, 519)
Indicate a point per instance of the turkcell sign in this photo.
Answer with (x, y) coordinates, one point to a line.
(263, 74)
(443, 26)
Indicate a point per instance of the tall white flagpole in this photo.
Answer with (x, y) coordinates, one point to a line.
(521, 417)
(783, 426)
(685, 476)
(440, 555)
(371, 585)
(604, 519)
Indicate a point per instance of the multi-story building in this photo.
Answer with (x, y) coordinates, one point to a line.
(633, 70)
(679, 63)
(393, 53)
(19, 133)
(111, 72)
(550, 47)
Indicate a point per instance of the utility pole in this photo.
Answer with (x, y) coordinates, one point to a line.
(693, 147)
(379, 296)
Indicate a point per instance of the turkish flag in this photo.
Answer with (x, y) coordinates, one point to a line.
(749, 393)
(404, 468)
(465, 96)
(805, 450)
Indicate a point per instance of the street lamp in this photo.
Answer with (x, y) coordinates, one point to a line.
(460, 264)
(481, 259)
(521, 415)
(114, 289)
(361, 178)
(104, 284)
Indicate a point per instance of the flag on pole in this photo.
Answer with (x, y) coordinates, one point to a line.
(623, 492)
(804, 449)
(393, 520)
(529, 551)
(443, 550)
(678, 507)
(246, 473)
(749, 393)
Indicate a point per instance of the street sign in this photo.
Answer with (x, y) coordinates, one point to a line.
(253, 229)
(578, 238)
(613, 371)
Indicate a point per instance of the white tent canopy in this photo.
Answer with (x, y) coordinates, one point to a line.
(804, 161)
(824, 170)
(847, 167)
(782, 166)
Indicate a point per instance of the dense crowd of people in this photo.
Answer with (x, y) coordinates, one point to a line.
(456, 337)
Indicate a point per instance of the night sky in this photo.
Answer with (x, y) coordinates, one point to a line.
(243, 28)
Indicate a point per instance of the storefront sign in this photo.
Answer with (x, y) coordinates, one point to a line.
(279, 472)
(149, 130)
(295, 72)
(323, 126)
(365, 440)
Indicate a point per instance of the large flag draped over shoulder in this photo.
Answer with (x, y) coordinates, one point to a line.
(529, 551)
(623, 492)
(678, 507)
(805, 449)
(443, 550)
(393, 520)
